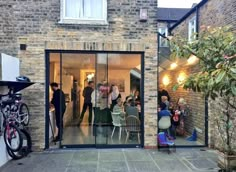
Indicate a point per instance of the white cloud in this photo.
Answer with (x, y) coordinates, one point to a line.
(177, 3)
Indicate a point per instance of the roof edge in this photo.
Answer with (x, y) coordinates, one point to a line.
(162, 20)
(173, 8)
(200, 4)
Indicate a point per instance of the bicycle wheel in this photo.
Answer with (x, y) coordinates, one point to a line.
(26, 147)
(13, 137)
(24, 114)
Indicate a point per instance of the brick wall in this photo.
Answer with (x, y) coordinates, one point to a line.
(214, 13)
(35, 23)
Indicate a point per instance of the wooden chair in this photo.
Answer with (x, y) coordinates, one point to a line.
(133, 126)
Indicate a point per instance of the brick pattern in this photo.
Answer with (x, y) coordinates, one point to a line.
(214, 13)
(35, 23)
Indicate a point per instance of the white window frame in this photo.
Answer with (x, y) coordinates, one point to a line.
(69, 20)
(192, 27)
(166, 34)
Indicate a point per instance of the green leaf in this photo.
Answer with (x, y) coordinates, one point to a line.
(233, 70)
(233, 76)
(233, 89)
(220, 76)
(175, 87)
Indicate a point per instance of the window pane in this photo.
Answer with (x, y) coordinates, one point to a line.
(73, 8)
(93, 9)
(163, 41)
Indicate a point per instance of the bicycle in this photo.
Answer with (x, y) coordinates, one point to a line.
(25, 149)
(12, 109)
(18, 108)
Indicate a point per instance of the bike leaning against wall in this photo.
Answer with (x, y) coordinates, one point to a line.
(15, 115)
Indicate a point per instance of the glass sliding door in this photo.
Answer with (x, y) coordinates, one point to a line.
(119, 114)
(102, 113)
(78, 72)
(102, 93)
(125, 98)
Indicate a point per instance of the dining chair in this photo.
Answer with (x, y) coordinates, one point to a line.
(133, 126)
(117, 121)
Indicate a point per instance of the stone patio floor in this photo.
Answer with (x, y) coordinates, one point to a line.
(116, 160)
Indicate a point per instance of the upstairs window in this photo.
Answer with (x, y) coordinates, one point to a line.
(192, 29)
(84, 11)
(163, 41)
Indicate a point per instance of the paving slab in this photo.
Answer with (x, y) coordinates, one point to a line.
(112, 167)
(116, 160)
(141, 166)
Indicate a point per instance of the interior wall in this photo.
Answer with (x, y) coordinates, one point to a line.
(121, 75)
(195, 101)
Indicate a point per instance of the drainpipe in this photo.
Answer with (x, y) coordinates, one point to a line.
(197, 20)
(206, 98)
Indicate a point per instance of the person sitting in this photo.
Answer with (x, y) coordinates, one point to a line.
(164, 122)
(118, 108)
(127, 102)
(132, 110)
(164, 103)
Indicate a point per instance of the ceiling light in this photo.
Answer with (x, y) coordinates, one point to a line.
(166, 80)
(173, 66)
(181, 78)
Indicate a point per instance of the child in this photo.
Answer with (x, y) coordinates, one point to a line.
(118, 108)
(181, 112)
(164, 103)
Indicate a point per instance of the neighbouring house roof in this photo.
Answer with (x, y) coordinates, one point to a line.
(171, 14)
(192, 10)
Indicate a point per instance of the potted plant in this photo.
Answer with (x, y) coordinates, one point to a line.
(216, 79)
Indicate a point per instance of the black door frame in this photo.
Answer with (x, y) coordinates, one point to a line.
(159, 35)
(47, 82)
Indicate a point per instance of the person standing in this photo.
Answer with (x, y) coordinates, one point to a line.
(59, 103)
(96, 106)
(114, 96)
(87, 102)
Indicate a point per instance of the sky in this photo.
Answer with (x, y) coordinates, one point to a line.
(177, 3)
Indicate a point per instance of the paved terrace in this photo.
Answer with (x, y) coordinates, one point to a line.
(116, 160)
